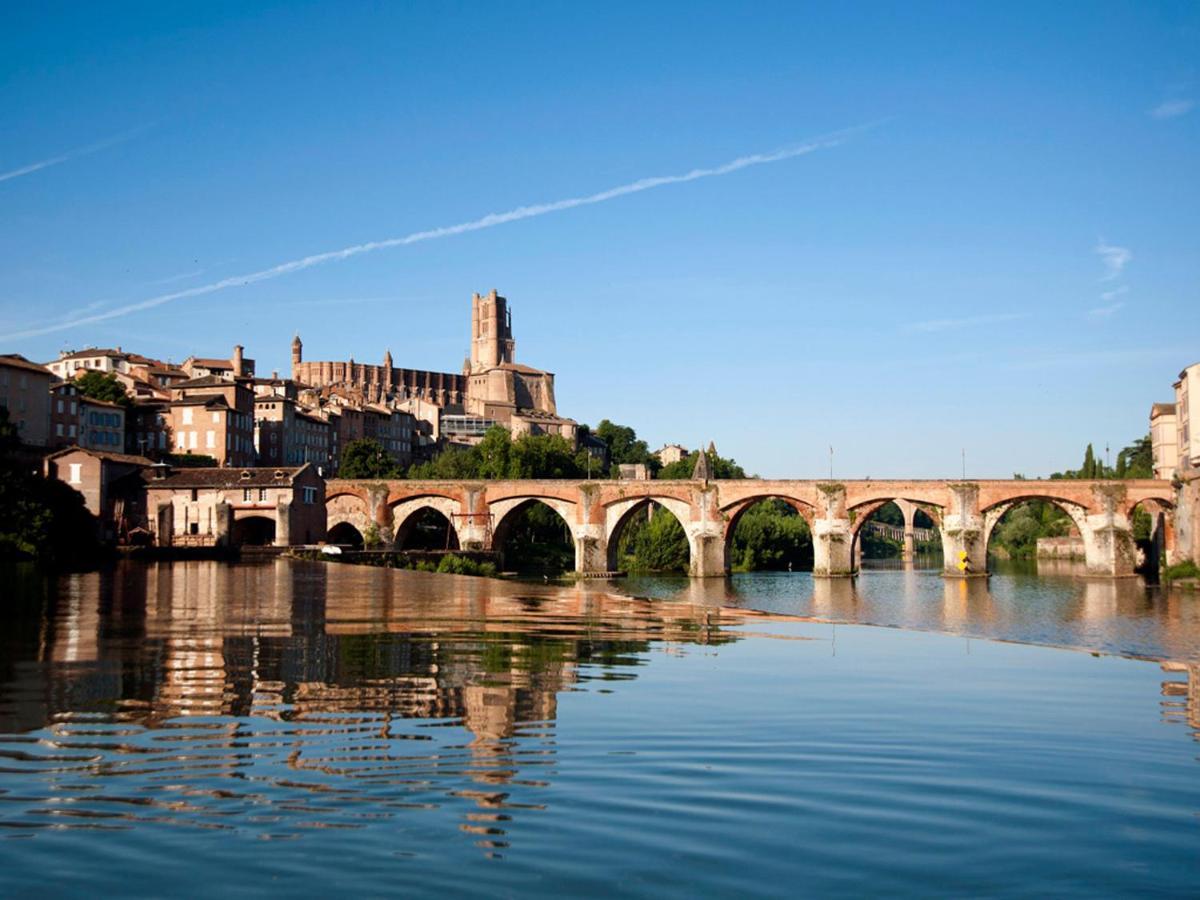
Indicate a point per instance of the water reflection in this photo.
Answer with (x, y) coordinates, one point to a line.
(564, 736)
(1049, 604)
(308, 684)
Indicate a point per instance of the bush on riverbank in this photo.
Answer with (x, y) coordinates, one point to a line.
(41, 519)
(1180, 571)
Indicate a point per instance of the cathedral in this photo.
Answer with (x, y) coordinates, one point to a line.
(492, 389)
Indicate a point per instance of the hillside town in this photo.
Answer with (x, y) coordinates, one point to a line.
(123, 427)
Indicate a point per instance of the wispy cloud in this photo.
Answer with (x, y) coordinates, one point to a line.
(1104, 312)
(489, 221)
(1171, 109)
(182, 276)
(968, 322)
(1115, 259)
(71, 154)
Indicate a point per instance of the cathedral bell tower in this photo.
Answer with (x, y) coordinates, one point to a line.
(297, 356)
(491, 332)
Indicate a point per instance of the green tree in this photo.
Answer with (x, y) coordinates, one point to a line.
(103, 386)
(366, 458)
(497, 456)
(1089, 463)
(719, 465)
(653, 541)
(770, 535)
(40, 518)
(624, 446)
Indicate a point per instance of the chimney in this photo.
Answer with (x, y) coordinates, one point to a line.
(238, 367)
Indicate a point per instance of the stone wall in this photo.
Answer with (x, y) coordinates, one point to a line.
(1060, 548)
(1187, 519)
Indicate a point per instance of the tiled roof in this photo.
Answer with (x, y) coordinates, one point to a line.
(93, 351)
(203, 400)
(204, 381)
(127, 458)
(260, 476)
(523, 369)
(92, 401)
(17, 361)
(1160, 409)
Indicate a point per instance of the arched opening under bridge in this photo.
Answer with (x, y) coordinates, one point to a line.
(534, 537)
(426, 528)
(1037, 534)
(346, 535)
(649, 538)
(1153, 536)
(897, 530)
(768, 534)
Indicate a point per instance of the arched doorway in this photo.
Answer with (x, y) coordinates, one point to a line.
(768, 534)
(648, 537)
(254, 531)
(534, 537)
(426, 528)
(345, 535)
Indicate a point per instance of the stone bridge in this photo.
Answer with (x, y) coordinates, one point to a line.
(963, 512)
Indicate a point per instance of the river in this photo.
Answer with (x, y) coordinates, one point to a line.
(221, 729)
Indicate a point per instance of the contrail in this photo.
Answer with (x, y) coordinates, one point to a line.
(489, 221)
(70, 154)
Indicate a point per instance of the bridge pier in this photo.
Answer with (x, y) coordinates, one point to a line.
(591, 549)
(707, 551)
(832, 534)
(1108, 546)
(909, 511)
(964, 541)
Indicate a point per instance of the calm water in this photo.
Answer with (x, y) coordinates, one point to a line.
(210, 729)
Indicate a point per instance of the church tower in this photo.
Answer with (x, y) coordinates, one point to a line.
(491, 332)
(297, 356)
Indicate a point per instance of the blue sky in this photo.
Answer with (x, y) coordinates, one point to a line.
(999, 251)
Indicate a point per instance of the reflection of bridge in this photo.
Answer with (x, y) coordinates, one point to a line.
(963, 512)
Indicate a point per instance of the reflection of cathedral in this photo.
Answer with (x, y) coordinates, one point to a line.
(493, 387)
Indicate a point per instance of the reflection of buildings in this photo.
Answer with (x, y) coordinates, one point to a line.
(1188, 691)
(306, 662)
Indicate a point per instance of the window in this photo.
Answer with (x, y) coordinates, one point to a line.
(187, 415)
(216, 417)
(180, 440)
(58, 430)
(60, 407)
(247, 495)
(192, 440)
(210, 439)
(75, 470)
(262, 493)
(195, 497)
(310, 495)
(74, 408)
(70, 431)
